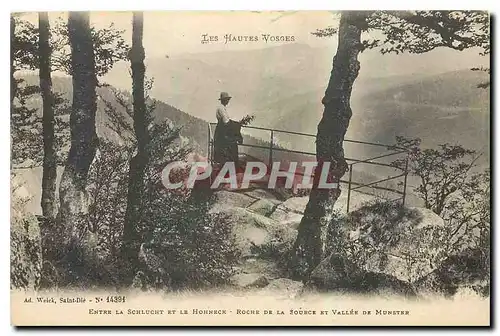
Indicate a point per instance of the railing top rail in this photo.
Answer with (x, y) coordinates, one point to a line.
(314, 136)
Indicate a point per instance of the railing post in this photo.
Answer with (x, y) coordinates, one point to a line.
(209, 144)
(271, 149)
(406, 177)
(349, 187)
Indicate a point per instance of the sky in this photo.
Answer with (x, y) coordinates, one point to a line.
(176, 33)
(180, 32)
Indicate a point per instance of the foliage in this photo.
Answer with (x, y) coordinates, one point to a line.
(468, 215)
(377, 231)
(25, 244)
(421, 31)
(24, 46)
(109, 47)
(181, 243)
(107, 187)
(26, 121)
(450, 186)
(246, 120)
(442, 171)
(26, 126)
(184, 246)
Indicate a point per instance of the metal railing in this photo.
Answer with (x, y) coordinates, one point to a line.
(352, 184)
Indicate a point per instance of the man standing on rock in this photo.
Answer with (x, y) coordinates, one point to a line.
(225, 143)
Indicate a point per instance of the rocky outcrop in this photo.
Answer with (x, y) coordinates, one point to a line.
(297, 205)
(256, 234)
(337, 273)
(262, 207)
(404, 243)
(226, 199)
(261, 241)
(25, 251)
(263, 194)
(283, 288)
(378, 248)
(468, 269)
(249, 280)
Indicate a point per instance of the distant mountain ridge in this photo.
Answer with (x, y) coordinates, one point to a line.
(192, 82)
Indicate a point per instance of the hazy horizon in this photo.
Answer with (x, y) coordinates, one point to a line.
(179, 33)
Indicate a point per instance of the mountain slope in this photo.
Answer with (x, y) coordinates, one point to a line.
(442, 108)
(255, 78)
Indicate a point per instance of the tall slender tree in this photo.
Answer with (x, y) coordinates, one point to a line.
(140, 161)
(72, 194)
(48, 200)
(408, 31)
(329, 142)
(13, 84)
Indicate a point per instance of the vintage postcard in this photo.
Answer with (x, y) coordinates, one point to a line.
(250, 168)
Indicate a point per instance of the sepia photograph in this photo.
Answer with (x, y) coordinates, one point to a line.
(250, 168)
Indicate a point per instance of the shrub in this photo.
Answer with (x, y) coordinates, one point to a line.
(25, 246)
(185, 246)
(371, 235)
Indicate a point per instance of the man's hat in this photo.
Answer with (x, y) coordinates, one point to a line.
(224, 95)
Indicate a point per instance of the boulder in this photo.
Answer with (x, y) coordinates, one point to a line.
(262, 266)
(257, 235)
(406, 243)
(467, 270)
(357, 200)
(25, 252)
(284, 215)
(262, 207)
(263, 194)
(293, 221)
(26, 184)
(283, 288)
(227, 199)
(297, 205)
(294, 204)
(249, 280)
(290, 211)
(337, 273)
(334, 272)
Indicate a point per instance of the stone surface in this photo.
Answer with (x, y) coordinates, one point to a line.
(284, 215)
(249, 280)
(356, 201)
(262, 207)
(261, 266)
(402, 242)
(464, 271)
(263, 194)
(293, 221)
(295, 204)
(336, 273)
(283, 288)
(256, 234)
(227, 199)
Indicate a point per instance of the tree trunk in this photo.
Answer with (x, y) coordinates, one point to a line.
(307, 251)
(13, 84)
(72, 194)
(140, 161)
(49, 156)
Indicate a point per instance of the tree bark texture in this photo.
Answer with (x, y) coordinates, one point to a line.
(13, 84)
(48, 201)
(72, 194)
(140, 161)
(308, 248)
